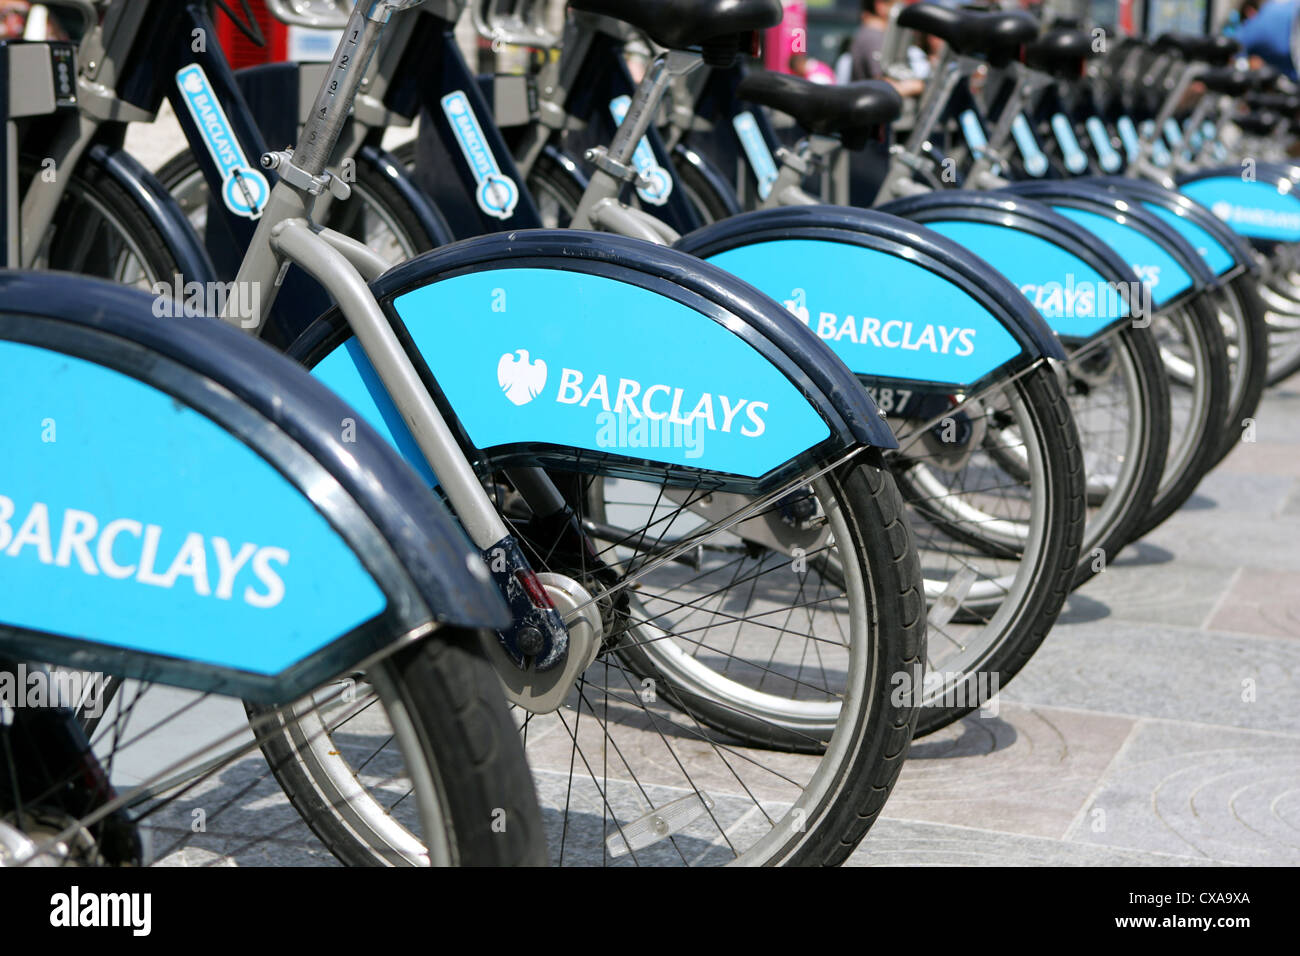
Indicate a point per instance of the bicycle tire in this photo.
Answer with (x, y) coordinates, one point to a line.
(1053, 571)
(1114, 516)
(78, 241)
(1201, 440)
(461, 721)
(1250, 370)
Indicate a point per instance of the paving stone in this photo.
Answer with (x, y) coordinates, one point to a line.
(1173, 593)
(213, 850)
(1056, 758)
(1168, 672)
(1213, 793)
(893, 842)
(1261, 602)
(1264, 458)
(1243, 540)
(1231, 491)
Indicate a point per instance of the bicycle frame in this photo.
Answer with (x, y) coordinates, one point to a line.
(392, 367)
(48, 98)
(141, 55)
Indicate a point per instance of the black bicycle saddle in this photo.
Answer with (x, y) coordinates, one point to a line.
(851, 111)
(713, 25)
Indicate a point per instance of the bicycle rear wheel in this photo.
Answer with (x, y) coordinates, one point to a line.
(1279, 290)
(997, 555)
(1245, 329)
(98, 230)
(747, 644)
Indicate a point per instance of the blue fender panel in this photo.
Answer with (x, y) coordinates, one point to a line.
(1224, 250)
(957, 323)
(1068, 277)
(1265, 209)
(265, 537)
(685, 340)
(1169, 265)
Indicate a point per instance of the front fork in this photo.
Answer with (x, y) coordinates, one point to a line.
(342, 266)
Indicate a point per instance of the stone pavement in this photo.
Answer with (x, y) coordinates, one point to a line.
(1158, 724)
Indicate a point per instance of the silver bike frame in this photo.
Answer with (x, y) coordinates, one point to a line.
(286, 235)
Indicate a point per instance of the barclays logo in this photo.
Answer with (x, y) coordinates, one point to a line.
(244, 190)
(521, 380)
(211, 566)
(891, 334)
(1268, 218)
(496, 194)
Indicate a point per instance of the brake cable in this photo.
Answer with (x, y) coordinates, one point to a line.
(248, 27)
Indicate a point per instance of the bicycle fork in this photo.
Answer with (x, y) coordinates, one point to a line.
(538, 641)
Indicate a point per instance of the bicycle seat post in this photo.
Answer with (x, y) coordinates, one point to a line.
(347, 70)
(302, 170)
(948, 73)
(645, 103)
(614, 164)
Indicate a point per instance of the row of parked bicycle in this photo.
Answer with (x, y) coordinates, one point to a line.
(657, 496)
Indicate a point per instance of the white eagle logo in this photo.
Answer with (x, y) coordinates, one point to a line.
(798, 304)
(521, 380)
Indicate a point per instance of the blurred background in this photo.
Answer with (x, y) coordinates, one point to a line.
(822, 30)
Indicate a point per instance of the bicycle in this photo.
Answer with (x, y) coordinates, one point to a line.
(1042, 104)
(159, 629)
(1154, 137)
(993, 595)
(798, 475)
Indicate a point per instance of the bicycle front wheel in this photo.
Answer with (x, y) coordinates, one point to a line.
(442, 780)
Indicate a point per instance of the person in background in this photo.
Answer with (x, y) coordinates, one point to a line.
(801, 64)
(1265, 33)
(13, 19)
(867, 44)
(864, 51)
